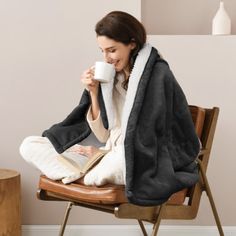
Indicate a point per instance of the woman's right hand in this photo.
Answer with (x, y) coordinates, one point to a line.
(90, 83)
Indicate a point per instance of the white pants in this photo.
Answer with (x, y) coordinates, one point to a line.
(39, 152)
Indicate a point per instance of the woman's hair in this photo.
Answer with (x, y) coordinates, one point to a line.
(123, 27)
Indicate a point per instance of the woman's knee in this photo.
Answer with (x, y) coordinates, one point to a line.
(28, 145)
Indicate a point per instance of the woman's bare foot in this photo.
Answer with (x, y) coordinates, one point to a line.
(87, 151)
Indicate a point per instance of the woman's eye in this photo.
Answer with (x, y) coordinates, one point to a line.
(112, 50)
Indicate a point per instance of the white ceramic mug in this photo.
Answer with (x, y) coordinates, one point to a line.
(104, 72)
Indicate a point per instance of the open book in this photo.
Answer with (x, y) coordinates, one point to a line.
(76, 165)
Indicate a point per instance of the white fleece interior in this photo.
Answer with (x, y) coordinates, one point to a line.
(134, 79)
(107, 94)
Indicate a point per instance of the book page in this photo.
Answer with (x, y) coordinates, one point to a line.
(78, 163)
(94, 160)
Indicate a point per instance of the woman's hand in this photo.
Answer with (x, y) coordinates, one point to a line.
(90, 83)
(87, 151)
(92, 86)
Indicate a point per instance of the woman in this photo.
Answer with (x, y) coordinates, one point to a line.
(152, 145)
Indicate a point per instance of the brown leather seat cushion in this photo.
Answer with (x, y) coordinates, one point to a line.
(109, 193)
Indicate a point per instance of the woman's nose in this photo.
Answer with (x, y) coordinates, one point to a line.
(107, 58)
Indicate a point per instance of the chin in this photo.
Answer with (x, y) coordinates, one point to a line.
(119, 68)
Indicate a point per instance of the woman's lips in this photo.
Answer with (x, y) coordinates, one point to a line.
(115, 63)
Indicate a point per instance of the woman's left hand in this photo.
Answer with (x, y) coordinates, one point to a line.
(87, 151)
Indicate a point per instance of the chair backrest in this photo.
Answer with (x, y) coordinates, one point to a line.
(205, 128)
(198, 116)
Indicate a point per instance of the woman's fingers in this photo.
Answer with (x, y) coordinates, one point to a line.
(89, 73)
(87, 151)
(88, 77)
(89, 82)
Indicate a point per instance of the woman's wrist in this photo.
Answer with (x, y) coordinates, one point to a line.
(94, 105)
(93, 94)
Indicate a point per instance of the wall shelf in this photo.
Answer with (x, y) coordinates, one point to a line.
(183, 17)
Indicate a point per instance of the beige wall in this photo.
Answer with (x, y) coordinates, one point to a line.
(45, 45)
(183, 16)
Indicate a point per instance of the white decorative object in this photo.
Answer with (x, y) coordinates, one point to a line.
(221, 24)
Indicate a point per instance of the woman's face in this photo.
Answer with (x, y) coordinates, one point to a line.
(116, 53)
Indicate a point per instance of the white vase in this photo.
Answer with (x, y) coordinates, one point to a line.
(221, 24)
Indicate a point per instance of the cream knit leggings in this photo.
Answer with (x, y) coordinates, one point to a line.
(39, 152)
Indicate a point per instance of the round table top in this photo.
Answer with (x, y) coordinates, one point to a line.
(7, 174)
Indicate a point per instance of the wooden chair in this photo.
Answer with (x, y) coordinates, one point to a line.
(111, 198)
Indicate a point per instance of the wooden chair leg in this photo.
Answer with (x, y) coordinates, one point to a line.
(143, 228)
(63, 225)
(210, 197)
(158, 220)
